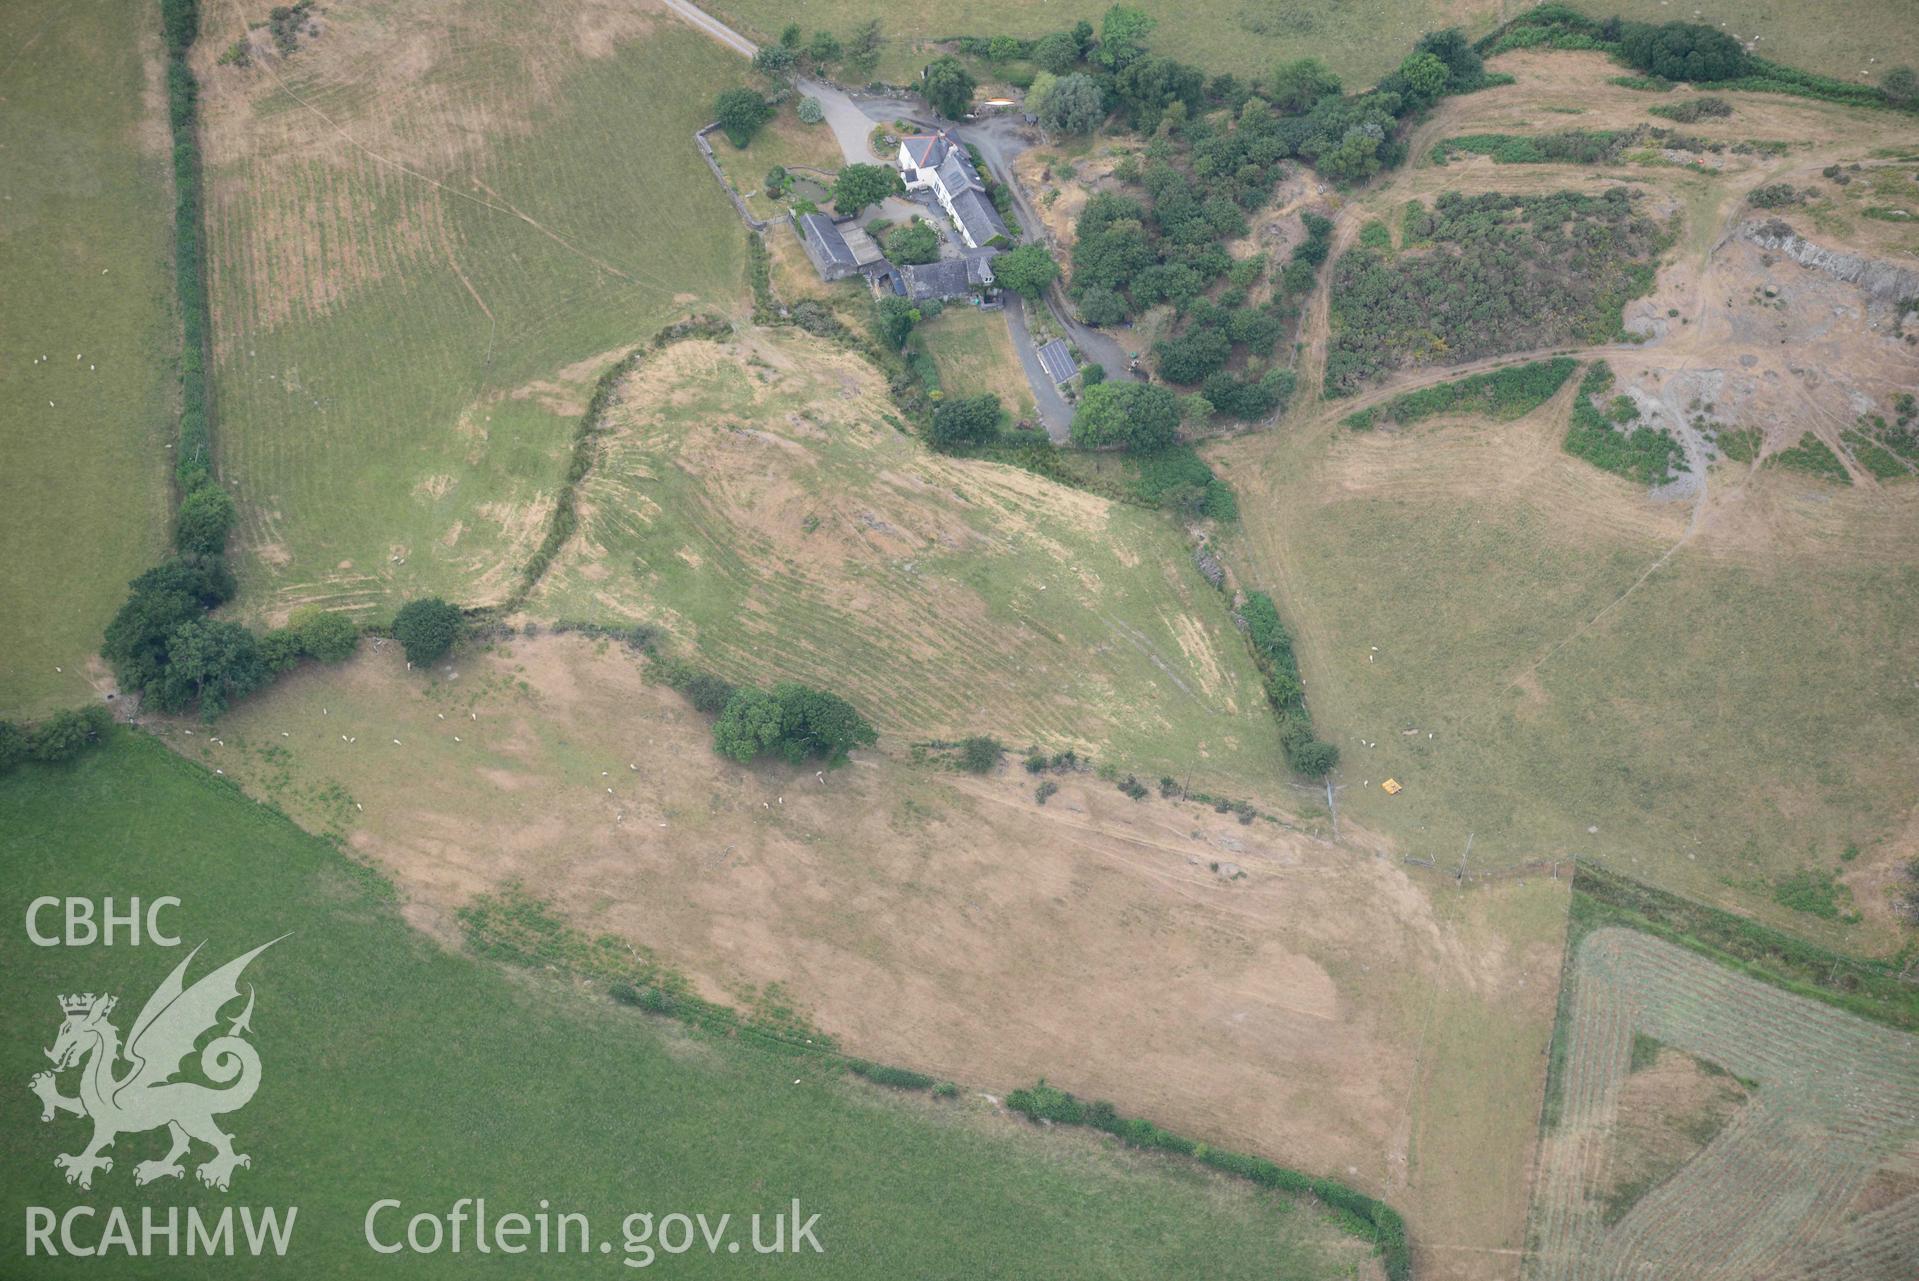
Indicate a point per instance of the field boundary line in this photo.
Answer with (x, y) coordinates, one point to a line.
(513, 925)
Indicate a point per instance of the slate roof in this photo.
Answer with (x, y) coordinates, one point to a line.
(825, 239)
(976, 216)
(947, 278)
(1056, 358)
(927, 149)
(957, 173)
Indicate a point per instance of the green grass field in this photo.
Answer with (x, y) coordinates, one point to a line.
(754, 501)
(84, 257)
(423, 252)
(974, 354)
(394, 1068)
(1360, 39)
(1868, 37)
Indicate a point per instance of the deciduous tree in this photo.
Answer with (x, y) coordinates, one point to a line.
(1026, 270)
(1297, 85)
(210, 662)
(856, 186)
(427, 628)
(948, 86)
(1072, 104)
(1132, 416)
(206, 517)
(966, 420)
(1122, 36)
(740, 113)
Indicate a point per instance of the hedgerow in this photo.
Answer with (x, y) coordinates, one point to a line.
(1871, 989)
(1674, 51)
(161, 643)
(1358, 1214)
(59, 738)
(898, 1078)
(1272, 647)
(193, 460)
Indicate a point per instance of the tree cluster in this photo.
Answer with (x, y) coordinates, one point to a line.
(57, 739)
(1683, 51)
(793, 722)
(894, 318)
(163, 645)
(821, 52)
(1132, 254)
(1129, 416)
(966, 420)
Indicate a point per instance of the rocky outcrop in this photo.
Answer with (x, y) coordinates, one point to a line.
(1881, 281)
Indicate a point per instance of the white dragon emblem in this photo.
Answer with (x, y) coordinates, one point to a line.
(146, 1097)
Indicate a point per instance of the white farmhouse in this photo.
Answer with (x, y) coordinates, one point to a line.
(937, 162)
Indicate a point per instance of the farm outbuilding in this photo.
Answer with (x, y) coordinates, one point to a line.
(838, 248)
(826, 246)
(948, 278)
(1056, 358)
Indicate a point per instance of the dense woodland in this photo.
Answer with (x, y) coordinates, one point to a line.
(1217, 149)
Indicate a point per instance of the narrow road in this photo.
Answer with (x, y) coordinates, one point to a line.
(713, 27)
(1054, 412)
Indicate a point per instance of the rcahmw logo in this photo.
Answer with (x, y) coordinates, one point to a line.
(146, 1095)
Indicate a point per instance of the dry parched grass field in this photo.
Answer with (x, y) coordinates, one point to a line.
(400, 1068)
(1246, 985)
(1814, 1175)
(758, 500)
(429, 229)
